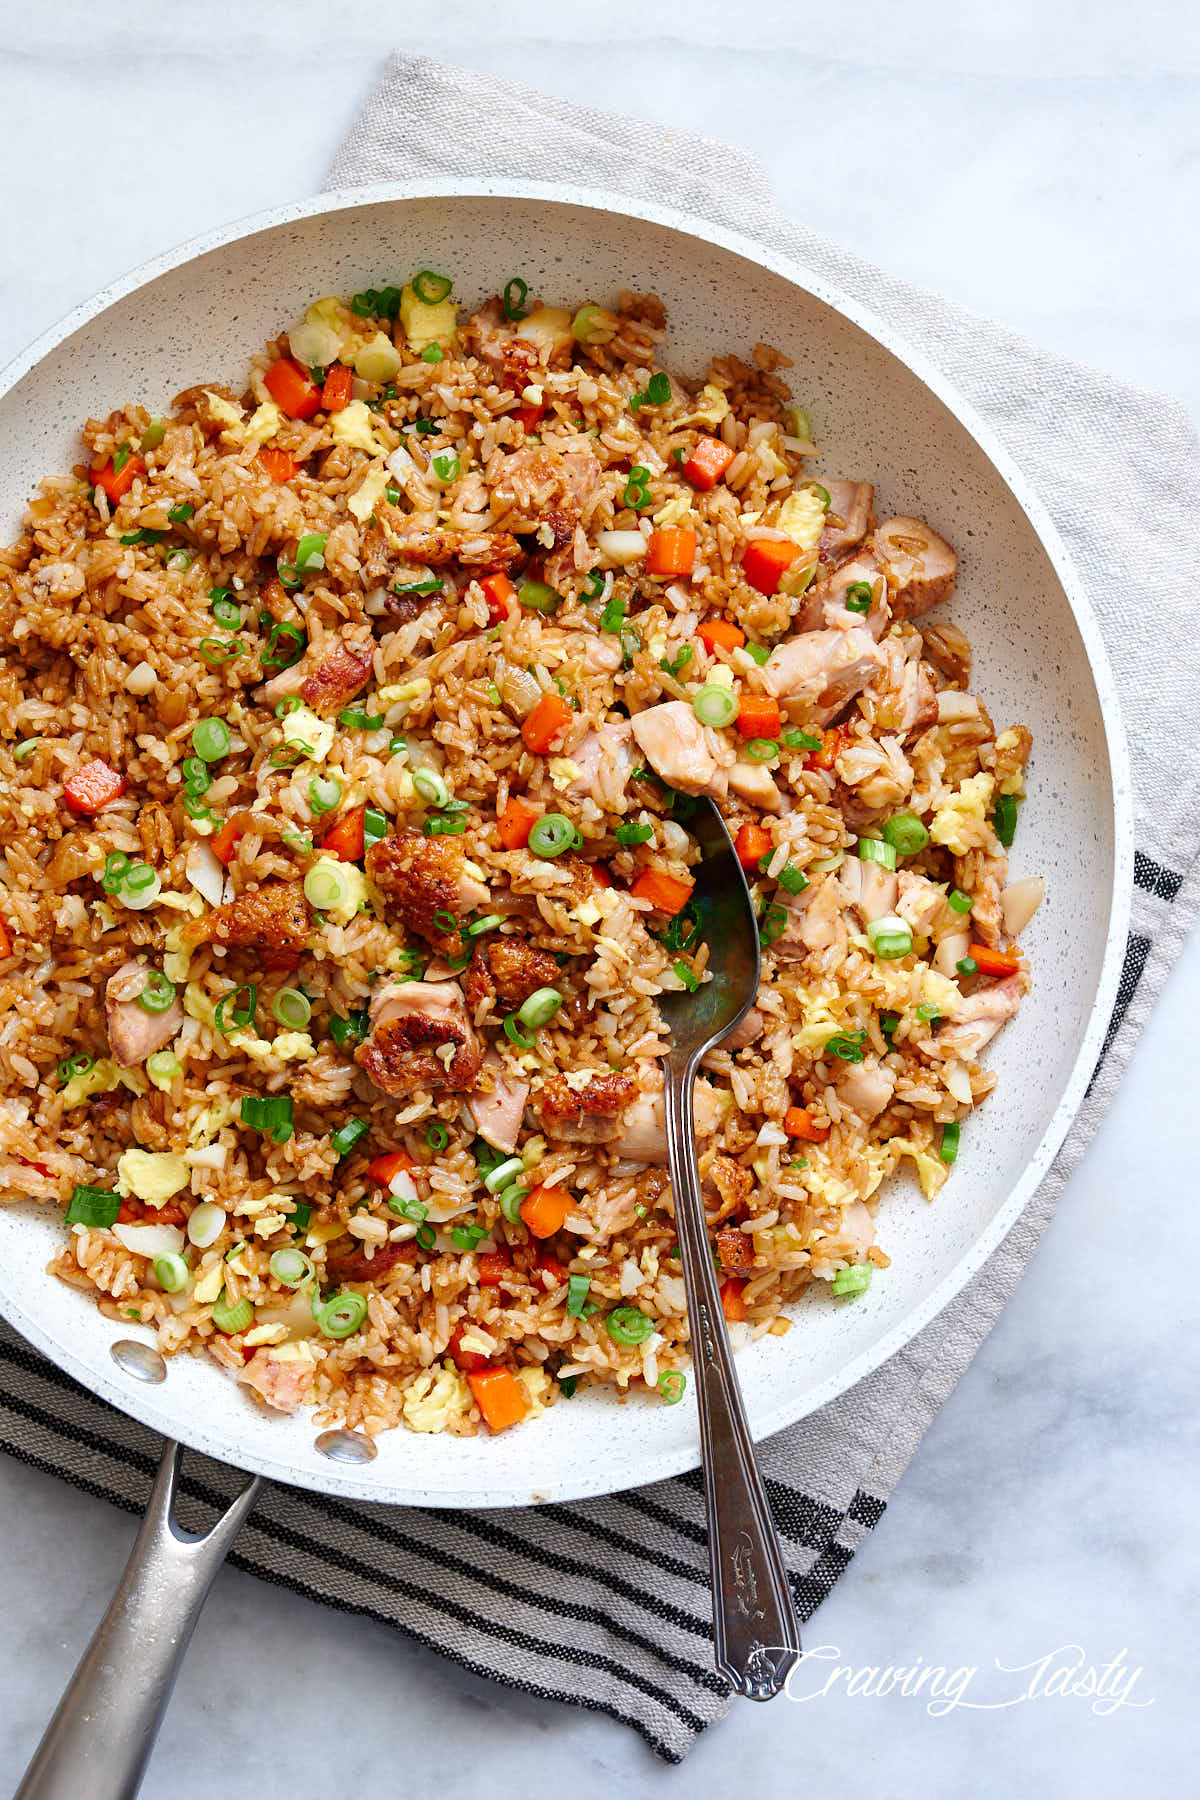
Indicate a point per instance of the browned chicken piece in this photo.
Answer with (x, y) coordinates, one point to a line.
(921, 566)
(736, 1250)
(866, 1088)
(347, 1259)
(980, 1017)
(156, 832)
(421, 1036)
(818, 673)
(281, 1383)
(949, 652)
(734, 1186)
(274, 917)
(425, 881)
(849, 519)
(497, 1106)
(590, 1113)
(745, 1034)
(543, 488)
(328, 679)
(511, 968)
(490, 336)
(133, 1033)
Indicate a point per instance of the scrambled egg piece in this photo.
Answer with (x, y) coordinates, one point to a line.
(263, 423)
(425, 324)
(229, 415)
(369, 492)
(153, 1175)
(209, 1120)
(435, 1397)
(288, 1046)
(101, 1078)
(178, 958)
(819, 1023)
(961, 822)
(304, 727)
(406, 693)
(711, 406)
(938, 990)
(536, 1383)
(932, 1171)
(676, 511)
(563, 771)
(354, 426)
(1015, 783)
(802, 518)
(209, 1285)
(358, 890)
(265, 1334)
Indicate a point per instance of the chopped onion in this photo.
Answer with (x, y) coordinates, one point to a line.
(950, 952)
(401, 465)
(205, 873)
(402, 1185)
(150, 1240)
(1020, 900)
(621, 546)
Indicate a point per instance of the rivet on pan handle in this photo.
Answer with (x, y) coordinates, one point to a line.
(100, 1739)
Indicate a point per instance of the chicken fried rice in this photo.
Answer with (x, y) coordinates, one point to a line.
(352, 726)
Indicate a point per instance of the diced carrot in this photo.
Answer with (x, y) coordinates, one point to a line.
(798, 1122)
(721, 634)
(224, 843)
(6, 947)
(385, 1168)
(765, 562)
(93, 787)
(530, 415)
(345, 838)
(759, 716)
(600, 875)
(500, 595)
(666, 893)
(500, 1397)
(277, 463)
(516, 822)
(544, 1209)
(671, 552)
(733, 1303)
(339, 385)
(826, 756)
(117, 482)
(548, 720)
(550, 1265)
(751, 843)
(708, 462)
(468, 1360)
(494, 1265)
(293, 389)
(993, 962)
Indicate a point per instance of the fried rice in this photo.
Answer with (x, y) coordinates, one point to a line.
(352, 724)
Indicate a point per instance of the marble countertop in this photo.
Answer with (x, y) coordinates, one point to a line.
(1031, 162)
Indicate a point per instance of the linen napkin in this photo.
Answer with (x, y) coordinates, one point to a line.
(605, 1603)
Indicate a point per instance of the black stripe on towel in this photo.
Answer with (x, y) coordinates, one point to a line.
(1153, 878)
(1136, 951)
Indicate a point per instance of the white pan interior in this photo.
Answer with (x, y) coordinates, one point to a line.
(196, 314)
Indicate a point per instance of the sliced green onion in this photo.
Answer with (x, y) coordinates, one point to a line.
(633, 833)
(675, 665)
(230, 1319)
(310, 552)
(857, 597)
(514, 1032)
(762, 750)
(269, 1113)
(801, 740)
(341, 1316)
(355, 719)
(426, 1236)
(94, 1207)
(928, 1012)
(415, 1211)
(352, 1029)
(347, 1135)
(79, 1064)
(437, 1137)
(688, 976)
(217, 651)
(656, 393)
(466, 1237)
(888, 1022)
(791, 879)
(232, 1011)
(876, 850)
(1004, 819)
(446, 466)
(822, 493)
(613, 616)
(432, 353)
(906, 834)
(323, 794)
(511, 1201)
(292, 1007)
(300, 1215)
(144, 536)
(226, 612)
(577, 1294)
(375, 826)
(116, 867)
(430, 288)
(671, 1385)
(593, 585)
(849, 1283)
(567, 1385)
(488, 922)
(178, 558)
(327, 885)
(540, 1008)
(290, 637)
(967, 966)
(550, 835)
(286, 707)
(431, 787)
(516, 292)
(171, 1272)
(715, 705)
(140, 888)
(537, 597)
(163, 1067)
(205, 1224)
(948, 1149)
(431, 585)
(181, 513)
(847, 1046)
(291, 1268)
(891, 937)
(628, 1325)
(773, 923)
(637, 488)
(153, 435)
(25, 749)
(158, 994)
(444, 825)
(211, 739)
(958, 901)
(503, 1173)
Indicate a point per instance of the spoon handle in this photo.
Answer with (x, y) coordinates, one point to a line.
(754, 1624)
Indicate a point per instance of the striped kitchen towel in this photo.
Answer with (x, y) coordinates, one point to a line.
(605, 1603)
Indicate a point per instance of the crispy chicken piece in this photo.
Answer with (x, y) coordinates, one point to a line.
(328, 679)
(426, 882)
(273, 917)
(511, 968)
(734, 1186)
(680, 749)
(133, 1033)
(281, 1382)
(490, 336)
(866, 1087)
(736, 1250)
(438, 547)
(421, 1036)
(590, 1113)
(547, 492)
(347, 1259)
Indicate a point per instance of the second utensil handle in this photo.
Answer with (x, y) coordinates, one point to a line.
(754, 1622)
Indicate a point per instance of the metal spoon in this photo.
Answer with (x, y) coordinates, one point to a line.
(756, 1636)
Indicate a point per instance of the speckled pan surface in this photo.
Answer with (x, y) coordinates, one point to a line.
(196, 313)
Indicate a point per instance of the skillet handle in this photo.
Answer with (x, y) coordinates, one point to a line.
(100, 1739)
